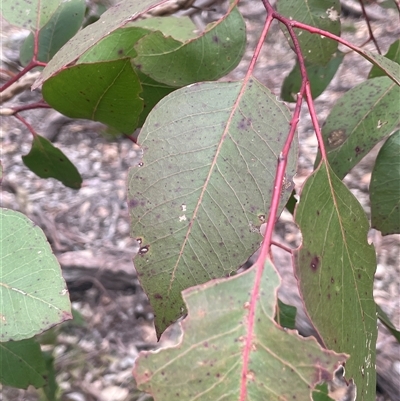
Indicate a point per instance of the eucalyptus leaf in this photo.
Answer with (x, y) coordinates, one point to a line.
(46, 161)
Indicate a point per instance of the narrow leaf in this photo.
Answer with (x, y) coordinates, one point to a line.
(114, 18)
(106, 91)
(221, 48)
(22, 364)
(33, 294)
(45, 160)
(385, 188)
(204, 187)
(384, 318)
(323, 14)
(209, 363)
(392, 54)
(319, 76)
(358, 121)
(335, 267)
(62, 26)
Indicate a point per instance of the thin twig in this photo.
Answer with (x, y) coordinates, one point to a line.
(371, 34)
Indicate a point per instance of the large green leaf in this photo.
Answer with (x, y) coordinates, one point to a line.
(319, 77)
(210, 362)
(22, 364)
(62, 26)
(210, 153)
(208, 57)
(335, 266)
(29, 14)
(106, 91)
(33, 294)
(323, 14)
(385, 188)
(392, 54)
(46, 161)
(114, 18)
(358, 121)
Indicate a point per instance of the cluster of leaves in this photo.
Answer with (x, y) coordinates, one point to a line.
(207, 181)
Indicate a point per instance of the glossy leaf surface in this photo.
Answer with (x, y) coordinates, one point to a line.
(106, 91)
(210, 363)
(115, 17)
(24, 357)
(323, 14)
(385, 188)
(196, 203)
(208, 57)
(335, 267)
(359, 120)
(62, 26)
(45, 160)
(33, 293)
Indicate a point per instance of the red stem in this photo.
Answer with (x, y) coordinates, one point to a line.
(23, 121)
(256, 287)
(38, 105)
(305, 90)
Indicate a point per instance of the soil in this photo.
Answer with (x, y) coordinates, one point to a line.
(89, 229)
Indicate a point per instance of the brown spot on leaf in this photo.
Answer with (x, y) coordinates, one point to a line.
(133, 203)
(314, 263)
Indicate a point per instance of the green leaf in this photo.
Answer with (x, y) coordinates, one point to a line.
(208, 57)
(392, 54)
(384, 318)
(62, 26)
(385, 187)
(45, 160)
(29, 14)
(117, 45)
(319, 76)
(181, 28)
(358, 121)
(33, 294)
(335, 266)
(106, 91)
(210, 364)
(323, 14)
(321, 393)
(51, 387)
(390, 68)
(210, 153)
(22, 364)
(114, 18)
(286, 315)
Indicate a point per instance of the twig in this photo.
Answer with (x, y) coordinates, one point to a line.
(371, 34)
